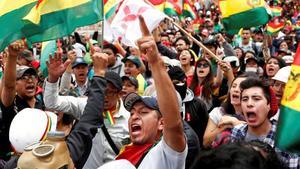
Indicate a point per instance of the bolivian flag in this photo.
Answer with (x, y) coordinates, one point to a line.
(276, 10)
(52, 19)
(188, 11)
(237, 14)
(172, 8)
(11, 14)
(273, 27)
(288, 131)
(110, 8)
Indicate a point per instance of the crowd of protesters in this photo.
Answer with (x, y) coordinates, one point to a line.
(165, 103)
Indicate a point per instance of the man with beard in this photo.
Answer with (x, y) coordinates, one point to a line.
(19, 86)
(257, 99)
(115, 63)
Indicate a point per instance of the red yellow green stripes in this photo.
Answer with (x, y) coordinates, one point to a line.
(60, 18)
(276, 10)
(172, 8)
(188, 11)
(110, 7)
(237, 14)
(110, 117)
(288, 125)
(274, 27)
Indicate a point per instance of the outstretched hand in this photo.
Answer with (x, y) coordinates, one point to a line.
(147, 43)
(56, 67)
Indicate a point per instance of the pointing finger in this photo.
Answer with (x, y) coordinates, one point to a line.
(143, 27)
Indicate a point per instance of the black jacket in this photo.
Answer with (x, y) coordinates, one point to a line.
(196, 116)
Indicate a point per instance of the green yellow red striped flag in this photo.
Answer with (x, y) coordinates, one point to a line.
(188, 10)
(273, 27)
(52, 19)
(172, 8)
(11, 14)
(237, 14)
(110, 8)
(287, 135)
(276, 10)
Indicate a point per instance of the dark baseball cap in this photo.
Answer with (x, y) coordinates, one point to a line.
(78, 61)
(21, 70)
(134, 59)
(133, 98)
(115, 79)
(132, 80)
(27, 54)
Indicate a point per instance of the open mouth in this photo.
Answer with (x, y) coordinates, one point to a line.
(271, 70)
(235, 96)
(30, 88)
(251, 116)
(135, 129)
(201, 71)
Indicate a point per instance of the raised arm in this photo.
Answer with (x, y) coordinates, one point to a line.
(80, 139)
(9, 76)
(166, 96)
(66, 104)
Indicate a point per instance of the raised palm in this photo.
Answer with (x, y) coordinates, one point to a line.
(56, 67)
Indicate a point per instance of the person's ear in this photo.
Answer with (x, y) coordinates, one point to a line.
(161, 124)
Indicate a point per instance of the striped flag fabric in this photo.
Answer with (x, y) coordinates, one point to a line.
(273, 27)
(237, 14)
(52, 19)
(188, 10)
(11, 14)
(276, 10)
(110, 8)
(172, 7)
(287, 135)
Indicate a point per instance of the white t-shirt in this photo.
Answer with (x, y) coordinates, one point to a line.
(215, 115)
(160, 156)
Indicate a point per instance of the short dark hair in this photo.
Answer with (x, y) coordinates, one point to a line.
(256, 82)
(112, 47)
(185, 39)
(234, 155)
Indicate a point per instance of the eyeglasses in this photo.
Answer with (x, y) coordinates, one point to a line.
(204, 65)
(27, 77)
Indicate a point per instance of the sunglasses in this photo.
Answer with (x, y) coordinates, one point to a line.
(204, 65)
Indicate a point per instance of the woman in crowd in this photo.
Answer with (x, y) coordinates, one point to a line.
(273, 64)
(187, 61)
(228, 115)
(202, 82)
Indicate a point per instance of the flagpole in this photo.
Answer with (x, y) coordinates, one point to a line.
(190, 36)
(101, 37)
(195, 40)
